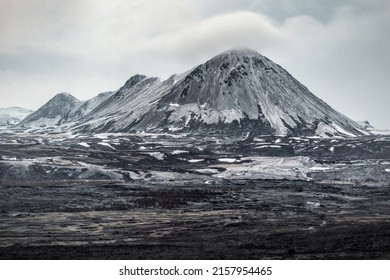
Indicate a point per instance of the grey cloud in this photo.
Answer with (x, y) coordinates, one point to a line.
(280, 10)
(339, 49)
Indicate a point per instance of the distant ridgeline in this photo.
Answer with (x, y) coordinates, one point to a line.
(236, 92)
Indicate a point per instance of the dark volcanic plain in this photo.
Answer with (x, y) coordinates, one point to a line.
(161, 196)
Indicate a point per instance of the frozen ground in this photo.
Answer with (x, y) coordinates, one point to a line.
(130, 196)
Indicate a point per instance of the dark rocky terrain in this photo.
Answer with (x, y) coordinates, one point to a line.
(149, 196)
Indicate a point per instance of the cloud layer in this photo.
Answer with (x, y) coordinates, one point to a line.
(338, 49)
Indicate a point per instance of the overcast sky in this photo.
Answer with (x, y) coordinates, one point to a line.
(339, 49)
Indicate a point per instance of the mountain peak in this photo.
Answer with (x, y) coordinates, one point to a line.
(241, 59)
(241, 52)
(64, 95)
(134, 80)
(63, 99)
(240, 89)
(56, 111)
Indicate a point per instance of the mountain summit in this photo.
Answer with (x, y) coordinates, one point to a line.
(55, 112)
(12, 116)
(237, 91)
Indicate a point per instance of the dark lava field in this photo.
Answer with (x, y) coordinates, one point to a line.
(162, 196)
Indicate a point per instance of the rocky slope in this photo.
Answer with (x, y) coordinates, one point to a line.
(236, 92)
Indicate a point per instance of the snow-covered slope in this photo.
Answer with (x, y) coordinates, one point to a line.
(124, 109)
(56, 111)
(12, 115)
(237, 91)
(89, 105)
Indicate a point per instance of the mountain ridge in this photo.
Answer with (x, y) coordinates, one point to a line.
(237, 91)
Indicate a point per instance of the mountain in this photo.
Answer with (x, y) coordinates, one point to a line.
(62, 111)
(12, 115)
(126, 106)
(238, 91)
(56, 111)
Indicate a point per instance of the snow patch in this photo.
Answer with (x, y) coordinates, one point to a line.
(313, 204)
(9, 158)
(268, 146)
(343, 131)
(157, 155)
(178, 152)
(319, 168)
(268, 168)
(195, 160)
(84, 144)
(230, 160)
(207, 171)
(102, 135)
(106, 144)
(172, 128)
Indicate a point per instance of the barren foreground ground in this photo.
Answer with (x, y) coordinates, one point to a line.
(110, 197)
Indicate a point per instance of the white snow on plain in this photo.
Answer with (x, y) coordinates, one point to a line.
(268, 146)
(195, 160)
(387, 169)
(84, 144)
(230, 160)
(319, 168)
(268, 168)
(313, 204)
(178, 152)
